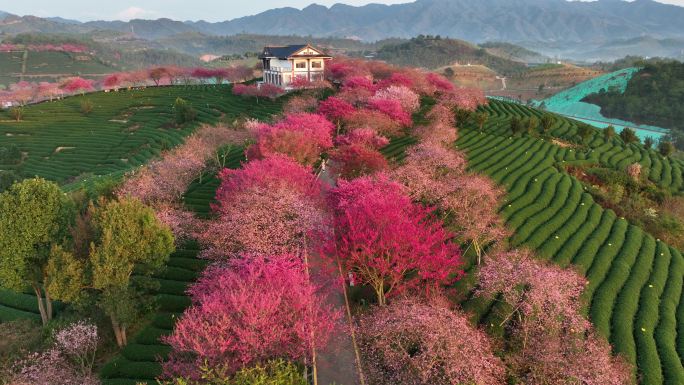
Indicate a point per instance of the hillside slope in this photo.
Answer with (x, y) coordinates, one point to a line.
(634, 296)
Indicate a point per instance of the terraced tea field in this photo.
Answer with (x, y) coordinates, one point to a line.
(635, 281)
(124, 130)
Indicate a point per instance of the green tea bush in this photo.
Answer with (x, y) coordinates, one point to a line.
(627, 302)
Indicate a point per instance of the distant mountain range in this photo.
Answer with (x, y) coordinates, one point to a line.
(535, 23)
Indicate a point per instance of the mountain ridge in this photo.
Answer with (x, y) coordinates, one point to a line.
(484, 20)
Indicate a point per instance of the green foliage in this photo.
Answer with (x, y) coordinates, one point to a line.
(629, 136)
(275, 372)
(10, 155)
(128, 236)
(665, 148)
(33, 216)
(7, 179)
(183, 111)
(609, 133)
(547, 122)
(584, 131)
(648, 143)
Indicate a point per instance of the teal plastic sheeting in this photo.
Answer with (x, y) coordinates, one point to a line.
(569, 103)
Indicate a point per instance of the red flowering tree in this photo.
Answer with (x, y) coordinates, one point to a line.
(77, 84)
(249, 312)
(239, 73)
(354, 160)
(335, 109)
(270, 206)
(411, 342)
(439, 82)
(156, 74)
(391, 108)
(388, 242)
(301, 136)
(202, 74)
(112, 81)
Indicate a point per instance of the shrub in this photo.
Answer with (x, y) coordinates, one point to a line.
(10, 154)
(183, 111)
(86, 107)
(17, 113)
(7, 179)
(629, 136)
(665, 148)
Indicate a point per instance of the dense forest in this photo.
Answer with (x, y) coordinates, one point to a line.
(435, 52)
(655, 95)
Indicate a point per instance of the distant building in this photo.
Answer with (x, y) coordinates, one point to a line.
(208, 57)
(282, 65)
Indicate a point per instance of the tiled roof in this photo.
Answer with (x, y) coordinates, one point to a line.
(281, 52)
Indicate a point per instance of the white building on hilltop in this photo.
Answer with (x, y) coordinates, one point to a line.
(282, 65)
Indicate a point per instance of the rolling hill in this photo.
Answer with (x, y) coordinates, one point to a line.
(435, 52)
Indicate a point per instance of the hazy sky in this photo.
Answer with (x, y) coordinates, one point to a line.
(210, 10)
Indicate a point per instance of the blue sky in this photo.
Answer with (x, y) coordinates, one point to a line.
(210, 10)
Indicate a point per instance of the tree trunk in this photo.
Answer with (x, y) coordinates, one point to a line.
(48, 304)
(380, 293)
(44, 317)
(119, 332)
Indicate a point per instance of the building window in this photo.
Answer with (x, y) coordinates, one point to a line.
(316, 64)
(301, 64)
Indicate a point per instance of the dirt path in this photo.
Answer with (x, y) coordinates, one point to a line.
(337, 363)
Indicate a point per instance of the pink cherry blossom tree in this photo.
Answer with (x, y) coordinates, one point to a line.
(388, 242)
(473, 215)
(250, 311)
(77, 84)
(409, 100)
(302, 136)
(22, 92)
(429, 172)
(376, 120)
(48, 91)
(413, 342)
(553, 342)
(270, 206)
